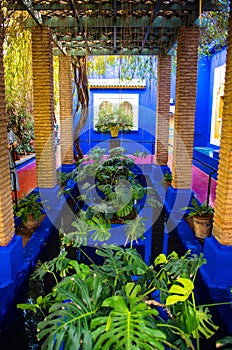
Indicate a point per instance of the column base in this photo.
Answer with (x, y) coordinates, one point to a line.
(11, 257)
(158, 172)
(175, 200)
(67, 168)
(219, 262)
(51, 197)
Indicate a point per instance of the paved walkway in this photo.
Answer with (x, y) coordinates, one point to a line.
(200, 186)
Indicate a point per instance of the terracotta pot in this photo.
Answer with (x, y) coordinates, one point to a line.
(189, 221)
(31, 222)
(202, 226)
(114, 131)
(167, 184)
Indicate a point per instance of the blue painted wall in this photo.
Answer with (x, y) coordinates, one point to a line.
(204, 100)
(143, 139)
(202, 118)
(218, 59)
(206, 154)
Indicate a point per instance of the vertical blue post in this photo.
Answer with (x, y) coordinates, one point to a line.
(165, 241)
(11, 257)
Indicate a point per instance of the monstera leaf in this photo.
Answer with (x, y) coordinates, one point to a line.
(130, 324)
(134, 229)
(68, 324)
(206, 326)
(80, 235)
(180, 291)
(101, 229)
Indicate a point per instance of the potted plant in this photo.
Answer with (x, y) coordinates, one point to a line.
(112, 194)
(202, 215)
(30, 210)
(167, 180)
(114, 119)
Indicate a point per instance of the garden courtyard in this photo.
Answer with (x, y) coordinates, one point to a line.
(116, 228)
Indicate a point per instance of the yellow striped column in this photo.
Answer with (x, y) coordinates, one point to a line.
(66, 120)
(222, 228)
(218, 247)
(43, 99)
(163, 109)
(186, 80)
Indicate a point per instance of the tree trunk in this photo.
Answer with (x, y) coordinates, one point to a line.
(81, 81)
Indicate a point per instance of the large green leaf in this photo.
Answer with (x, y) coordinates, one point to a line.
(81, 234)
(101, 229)
(187, 318)
(113, 269)
(68, 322)
(224, 342)
(180, 291)
(133, 259)
(129, 325)
(134, 229)
(206, 326)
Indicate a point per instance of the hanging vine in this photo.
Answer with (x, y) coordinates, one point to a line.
(214, 30)
(123, 67)
(18, 78)
(81, 82)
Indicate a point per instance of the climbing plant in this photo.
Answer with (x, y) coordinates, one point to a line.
(213, 29)
(123, 67)
(18, 78)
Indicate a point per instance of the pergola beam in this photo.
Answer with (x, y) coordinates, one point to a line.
(110, 52)
(113, 26)
(58, 44)
(154, 12)
(35, 14)
(101, 23)
(206, 5)
(75, 12)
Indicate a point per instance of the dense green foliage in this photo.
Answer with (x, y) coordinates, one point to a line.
(18, 80)
(31, 205)
(112, 306)
(110, 191)
(123, 67)
(214, 29)
(199, 209)
(111, 116)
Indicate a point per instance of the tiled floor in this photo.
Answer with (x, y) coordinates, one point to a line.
(27, 181)
(200, 186)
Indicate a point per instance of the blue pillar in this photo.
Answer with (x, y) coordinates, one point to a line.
(219, 262)
(11, 257)
(158, 171)
(175, 200)
(53, 201)
(67, 168)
